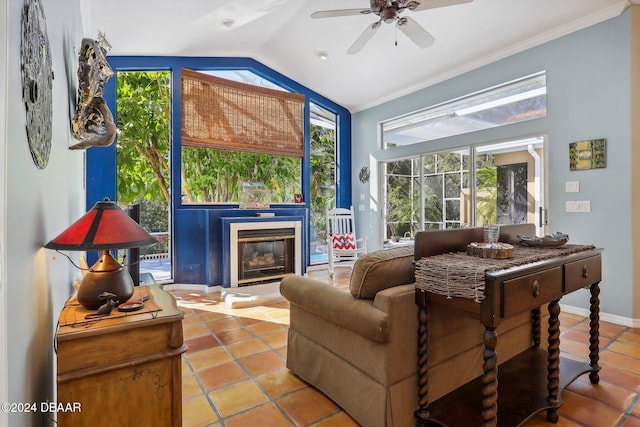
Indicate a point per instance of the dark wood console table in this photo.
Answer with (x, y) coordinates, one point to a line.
(533, 380)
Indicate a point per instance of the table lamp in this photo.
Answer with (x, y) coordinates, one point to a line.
(103, 228)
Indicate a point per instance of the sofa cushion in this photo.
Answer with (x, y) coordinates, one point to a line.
(380, 270)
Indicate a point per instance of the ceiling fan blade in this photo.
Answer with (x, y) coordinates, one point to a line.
(364, 38)
(341, 12)
(415, 32)
(432, 4)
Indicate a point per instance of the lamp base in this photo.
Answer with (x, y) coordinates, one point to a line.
(106, 275)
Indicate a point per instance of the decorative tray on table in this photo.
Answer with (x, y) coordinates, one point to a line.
(548, 241)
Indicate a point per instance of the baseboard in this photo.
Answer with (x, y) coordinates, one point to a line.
(605, 317)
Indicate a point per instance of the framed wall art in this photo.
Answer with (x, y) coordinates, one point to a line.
(589, 154)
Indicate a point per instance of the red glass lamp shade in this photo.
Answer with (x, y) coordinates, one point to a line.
(104, 227)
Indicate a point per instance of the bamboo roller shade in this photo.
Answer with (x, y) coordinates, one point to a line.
(228, 115)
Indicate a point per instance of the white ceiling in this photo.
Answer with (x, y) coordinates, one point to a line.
(282, 35)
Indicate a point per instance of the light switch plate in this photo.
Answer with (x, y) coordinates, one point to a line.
(572, 186)
(578, 206)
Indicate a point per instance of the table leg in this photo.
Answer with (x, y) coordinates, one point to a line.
(553, 367)
(423, 355)
(535, 327)
(594, 333)
(490, 378)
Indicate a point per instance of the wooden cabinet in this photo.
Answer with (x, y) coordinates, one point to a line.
(124, 369)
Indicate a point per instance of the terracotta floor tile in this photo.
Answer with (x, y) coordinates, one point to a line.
(195, 330)
(631, 421)
(282, 351)
(277, 339)
(190, 386)
(280, 382)
(635, 411)
(611, 395)
(208, 358)
(237, 398)
(620, 377)
(307, 406)
(213, 316)
(247, 347)
(626, 348)
(610, 329)
(630, 337)
(224, 324)
(261, 363)
(263, 328)
(340, 419)
(587, 411)
(580, 349)
(221, 376)
(622, 361)
(190, 318)
(263, 416)
(197, 412)
(201, 343)
(234, 335)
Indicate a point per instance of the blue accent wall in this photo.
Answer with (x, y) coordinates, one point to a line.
(197, 253)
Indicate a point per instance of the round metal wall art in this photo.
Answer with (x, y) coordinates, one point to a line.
(37, 81)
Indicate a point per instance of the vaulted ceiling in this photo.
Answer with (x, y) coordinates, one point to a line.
(282, 35)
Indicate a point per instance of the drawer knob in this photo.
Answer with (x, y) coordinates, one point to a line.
(585, 272)
(536, 288)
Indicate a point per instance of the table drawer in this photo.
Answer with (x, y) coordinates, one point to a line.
(531, 291)
(579, 274)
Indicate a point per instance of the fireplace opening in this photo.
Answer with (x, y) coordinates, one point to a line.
(265, 255)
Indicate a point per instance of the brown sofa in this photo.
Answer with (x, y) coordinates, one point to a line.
(359, 346)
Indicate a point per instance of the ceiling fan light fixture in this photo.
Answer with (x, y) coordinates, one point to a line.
(388, 15)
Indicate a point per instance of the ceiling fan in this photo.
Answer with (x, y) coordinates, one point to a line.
(389, 11)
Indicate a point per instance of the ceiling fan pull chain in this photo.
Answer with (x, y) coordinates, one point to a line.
(395, 30)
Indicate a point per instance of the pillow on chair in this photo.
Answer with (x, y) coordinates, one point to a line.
(343, 241)
(380, 270)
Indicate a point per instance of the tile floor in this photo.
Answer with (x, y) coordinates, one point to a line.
(234, 372)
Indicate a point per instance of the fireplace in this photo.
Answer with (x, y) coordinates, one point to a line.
(264, 251)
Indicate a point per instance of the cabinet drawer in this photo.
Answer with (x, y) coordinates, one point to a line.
(531, 291)
(579, 274)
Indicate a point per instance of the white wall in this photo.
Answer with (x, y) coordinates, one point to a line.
(39, 204)
(4, 391)
(588, 96)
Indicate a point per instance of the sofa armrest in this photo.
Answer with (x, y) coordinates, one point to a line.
(337, 306)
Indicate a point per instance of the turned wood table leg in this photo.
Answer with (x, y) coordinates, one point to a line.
(423, 355)
(490, 378)
(594, 333)
(553, 367)
(535, 327)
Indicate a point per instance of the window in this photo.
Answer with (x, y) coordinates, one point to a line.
(497, 183)
(213, 175)
(512, 102)
(322, 192)
(142, 167)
